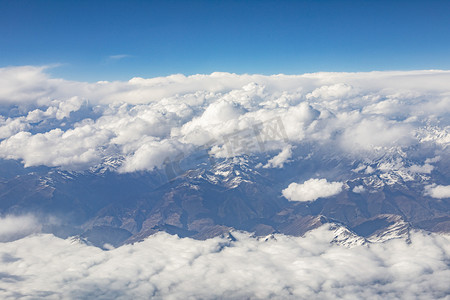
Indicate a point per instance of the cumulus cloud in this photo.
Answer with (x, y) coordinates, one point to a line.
(438, 191)
(335, 91)
(312, 189)
(56, 109)
(74, 125)
(11, 126)
(426, 168)
(280, 159)
(152, 154)
(167, 267)
(359, 189)
(72, 149)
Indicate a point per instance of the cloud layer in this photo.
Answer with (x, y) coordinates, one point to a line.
(167, 267)
(144, 122)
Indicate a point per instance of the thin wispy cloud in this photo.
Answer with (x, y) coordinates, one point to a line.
(118, 56)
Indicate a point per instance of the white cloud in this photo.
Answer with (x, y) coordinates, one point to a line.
(167, 267)
(153, 154)
(432, 160)
(23, 84)
(350, 113)
(426, 168)
(72, 149)
(16, 227)
(57, 110)
(312, 189)
(359, 189)
(438, 191)
(336, 91)
(367, 134)
(280, 159)
(118, 56)
(9, 126)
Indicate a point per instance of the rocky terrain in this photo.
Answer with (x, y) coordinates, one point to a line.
(102, 206)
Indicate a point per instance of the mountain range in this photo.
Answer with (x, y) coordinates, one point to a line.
(205, 198)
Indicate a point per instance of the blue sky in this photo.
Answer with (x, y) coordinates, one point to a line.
(117, 40)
